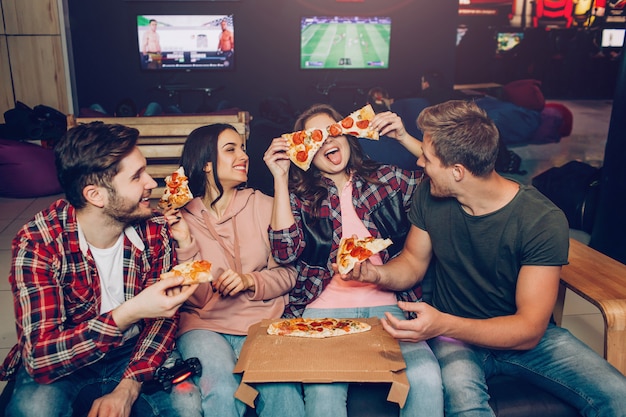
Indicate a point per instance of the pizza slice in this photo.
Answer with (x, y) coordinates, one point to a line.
(194, 272)
(303, 145)
(357, 123)
(177, 192)
(317, 328)
(354, 250)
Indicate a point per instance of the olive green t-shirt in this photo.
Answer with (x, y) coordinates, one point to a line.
(477, 258)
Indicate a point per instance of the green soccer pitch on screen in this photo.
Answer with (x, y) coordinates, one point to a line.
(354, 42)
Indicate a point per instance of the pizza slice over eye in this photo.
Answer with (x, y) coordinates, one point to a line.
(194, 272)
(303, 145)
(357, 123)
(354, 250)
(177, 192)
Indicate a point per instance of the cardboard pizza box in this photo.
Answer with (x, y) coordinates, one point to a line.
(372, 356)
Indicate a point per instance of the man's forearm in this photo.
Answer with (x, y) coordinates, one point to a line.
(395, 275)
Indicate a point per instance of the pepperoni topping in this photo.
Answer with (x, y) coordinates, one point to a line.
(298, 138)
(302, 156)
(362, 124)
(317, 135)
(347, 123)
(335, 129)
(360, 253)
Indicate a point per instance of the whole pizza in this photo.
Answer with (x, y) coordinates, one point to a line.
(317, 328)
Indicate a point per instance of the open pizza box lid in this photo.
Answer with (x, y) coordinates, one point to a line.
(372, 356)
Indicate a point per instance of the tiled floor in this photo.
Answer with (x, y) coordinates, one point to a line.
(591, 121)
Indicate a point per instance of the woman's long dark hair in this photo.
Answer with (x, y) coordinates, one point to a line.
(201, 148)
(309, 185)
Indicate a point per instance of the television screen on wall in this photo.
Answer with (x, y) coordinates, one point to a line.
(613, 38)
(508, 40)
(354, 42)
(186, 42)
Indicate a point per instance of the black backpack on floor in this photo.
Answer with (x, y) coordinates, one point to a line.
(575, 189)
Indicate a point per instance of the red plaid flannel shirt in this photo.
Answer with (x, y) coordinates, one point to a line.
(57, 299)
(288, 244)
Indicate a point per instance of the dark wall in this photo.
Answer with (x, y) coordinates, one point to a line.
(267, 38)
(609, 228)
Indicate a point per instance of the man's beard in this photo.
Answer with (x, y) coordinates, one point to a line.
(125, 211)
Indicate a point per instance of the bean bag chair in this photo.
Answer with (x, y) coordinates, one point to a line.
(524, 93)
(28, 170)
(549, 130)
(515, 123)
(566, 116)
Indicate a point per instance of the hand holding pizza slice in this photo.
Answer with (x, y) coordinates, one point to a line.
(194, 272)
(353, 250)
(177, 192)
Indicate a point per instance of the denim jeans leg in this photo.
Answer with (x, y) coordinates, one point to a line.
(569, 369)
(464, 379)
(280, 399)
(31, 399)
(425, 396)
(274, 399)
(217, 383)
(322, 400)
(422, 369)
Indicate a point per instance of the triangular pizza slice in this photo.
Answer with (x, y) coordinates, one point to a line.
(354, 250)
(357, 123)
(193, 272)
(304, 144)
(177, 192)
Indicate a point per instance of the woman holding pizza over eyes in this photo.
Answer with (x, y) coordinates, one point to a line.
(226, 224)
(344, 194)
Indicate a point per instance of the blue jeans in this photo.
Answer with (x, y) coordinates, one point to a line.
(74, 394)
(218, 354)
(560, 364)
(425, 395)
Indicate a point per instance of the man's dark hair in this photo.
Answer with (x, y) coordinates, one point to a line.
(90, 154)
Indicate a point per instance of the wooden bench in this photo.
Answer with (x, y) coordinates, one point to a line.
(601, 280)
(161, 138)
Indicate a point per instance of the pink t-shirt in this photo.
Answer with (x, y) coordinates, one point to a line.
(350, 294)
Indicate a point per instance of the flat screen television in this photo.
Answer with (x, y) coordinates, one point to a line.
(613, 38)
(353, 42)
(505, 41)
(186, 42)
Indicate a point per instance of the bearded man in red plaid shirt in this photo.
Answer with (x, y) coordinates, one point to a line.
(93, 320)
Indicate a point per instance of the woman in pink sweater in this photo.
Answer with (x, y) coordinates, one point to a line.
(226, 224)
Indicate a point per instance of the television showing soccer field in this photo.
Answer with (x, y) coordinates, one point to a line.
(354, 42)
(186, 42)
